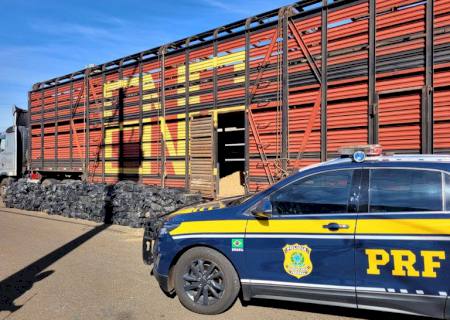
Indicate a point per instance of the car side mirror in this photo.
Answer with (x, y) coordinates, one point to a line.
(263, 210)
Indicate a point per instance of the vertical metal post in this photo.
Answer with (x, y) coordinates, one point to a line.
(56, 125)
(162, 53)
(186, 113)
(372, 108)
(427, 122)
(324, 86)
(87, 124)
(247, 102)
(70, 127)
(103, 125)
(28, 155)
(42, 129)
(141, 119)
(120, 111)
(215, 162)
(285, 89)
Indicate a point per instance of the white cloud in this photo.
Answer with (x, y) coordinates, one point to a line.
(227, 6)
(64, 29)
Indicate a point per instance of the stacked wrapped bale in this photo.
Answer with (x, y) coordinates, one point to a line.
(133, 203)
(24, 195)
(126, 203)
(76, 199)
(69, 198)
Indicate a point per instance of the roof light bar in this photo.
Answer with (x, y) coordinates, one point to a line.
(359, 152)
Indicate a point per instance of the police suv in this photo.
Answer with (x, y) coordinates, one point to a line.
(366, 231)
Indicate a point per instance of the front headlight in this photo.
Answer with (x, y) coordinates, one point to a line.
(167, 228)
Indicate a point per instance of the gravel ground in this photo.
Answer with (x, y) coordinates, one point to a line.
(53, 267)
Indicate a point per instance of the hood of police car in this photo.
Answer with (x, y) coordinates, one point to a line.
(206, 207)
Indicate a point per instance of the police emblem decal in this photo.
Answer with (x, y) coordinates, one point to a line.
(297, 260)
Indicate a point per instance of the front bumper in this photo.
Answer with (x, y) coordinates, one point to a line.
(162, 280)
(150, 252)
(152, 228)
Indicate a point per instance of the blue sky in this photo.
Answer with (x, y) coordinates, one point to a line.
(43, 39)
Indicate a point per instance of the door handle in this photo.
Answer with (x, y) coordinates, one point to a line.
(333, 226)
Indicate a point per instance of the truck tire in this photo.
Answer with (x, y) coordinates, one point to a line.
(205, 281)
(4, 184)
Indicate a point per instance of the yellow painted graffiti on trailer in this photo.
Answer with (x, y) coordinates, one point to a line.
(147, 84)
(175, 146)
(236, 59)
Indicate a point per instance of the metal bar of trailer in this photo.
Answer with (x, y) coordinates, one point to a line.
(162, 99)
(141, 118)
(215, 162)
(119, 109)
(324, 86)
(87, 123)
(253, 126)
(42, 129)
(103, 127)
(301, 43)
(56, 128)
(247, 103)
(372, 99)
(70, 128)
(186, 114)
(285, 89)
(427, 115)
(29, 158)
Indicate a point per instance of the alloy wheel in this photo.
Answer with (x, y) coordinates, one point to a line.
(204, 282)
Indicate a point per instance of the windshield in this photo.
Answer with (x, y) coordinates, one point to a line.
(238, 201)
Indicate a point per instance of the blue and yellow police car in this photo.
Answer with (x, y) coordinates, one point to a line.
(367, 231)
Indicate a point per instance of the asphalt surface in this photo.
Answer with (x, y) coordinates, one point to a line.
(58, 268)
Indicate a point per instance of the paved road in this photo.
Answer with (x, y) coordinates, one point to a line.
(58, 268)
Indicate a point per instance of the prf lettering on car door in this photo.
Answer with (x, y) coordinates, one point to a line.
(404, 262)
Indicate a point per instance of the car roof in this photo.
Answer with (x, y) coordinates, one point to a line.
(441, 162)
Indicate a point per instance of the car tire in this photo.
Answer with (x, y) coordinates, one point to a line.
(205, 281)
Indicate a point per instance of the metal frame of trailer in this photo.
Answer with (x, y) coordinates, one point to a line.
(303, 79)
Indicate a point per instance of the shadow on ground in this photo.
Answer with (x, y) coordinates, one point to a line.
(20, 282)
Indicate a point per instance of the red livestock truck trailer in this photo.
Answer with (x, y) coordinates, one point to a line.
(253, 99)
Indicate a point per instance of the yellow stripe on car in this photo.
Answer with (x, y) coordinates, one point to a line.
(215, 226)
(261, 226)
(403, 226)
(298, 226)
(316, 226)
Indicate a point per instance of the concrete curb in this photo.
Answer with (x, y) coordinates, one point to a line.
(42, 215)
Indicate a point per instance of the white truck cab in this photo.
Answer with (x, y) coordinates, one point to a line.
(13, 148)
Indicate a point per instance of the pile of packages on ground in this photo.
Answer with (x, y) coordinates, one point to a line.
(125, 203)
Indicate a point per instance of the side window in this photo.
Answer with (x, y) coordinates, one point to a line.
(326, 192)
(2, 145)
(447, 192)
(399, 190)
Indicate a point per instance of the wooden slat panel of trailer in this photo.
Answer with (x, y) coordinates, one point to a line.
(202, 178)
